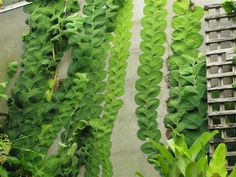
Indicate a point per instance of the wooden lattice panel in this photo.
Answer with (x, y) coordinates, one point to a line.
(220, 36)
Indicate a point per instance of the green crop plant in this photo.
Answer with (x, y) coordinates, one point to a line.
(177, 160)
(150, 75)
(187, 96)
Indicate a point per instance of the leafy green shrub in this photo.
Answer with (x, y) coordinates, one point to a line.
(150, 74)
(187, 96)
(177, 160)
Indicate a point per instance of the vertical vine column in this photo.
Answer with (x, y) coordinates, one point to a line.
(90, 57)
(187, 96)
(150, 75)
(43, 49)
(116, 80)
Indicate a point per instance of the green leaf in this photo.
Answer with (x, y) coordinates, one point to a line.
(164, 166)
(233, 173)
(194, 40)
(200, 143)
(139, 174)
(192, 120)
(12, 68)
(3, 171)
(181, 6)
(3, 96)
(191, 170)
(218, 162)
(202, 165)
(163, 151)
(229, 6)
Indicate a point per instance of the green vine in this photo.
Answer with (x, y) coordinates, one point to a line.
(153, 34)
(43, 50)
(187, 96)
(116, 80)
(43, 107)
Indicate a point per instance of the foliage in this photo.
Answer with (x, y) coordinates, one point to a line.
(116, 81)
(5, 146)
(187, 96)
(56, 165)
(177, 160)
(43, 107)
(229, 6)
(43, 48)
(11, 71)
(150, 74)
(3, 172)
(95, 150)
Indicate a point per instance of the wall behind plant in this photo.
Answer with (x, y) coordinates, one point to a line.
(126, 156)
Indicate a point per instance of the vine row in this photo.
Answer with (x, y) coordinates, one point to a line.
(187, 96)
(150, 75)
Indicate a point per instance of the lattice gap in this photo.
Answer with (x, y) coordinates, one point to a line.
(220, 30)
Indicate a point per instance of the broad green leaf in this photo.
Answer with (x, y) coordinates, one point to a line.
(163, 151)
(192, 120)
(191, 170)
(197, 13)
(218, 162)
(233, 173)
(183, 163)
(164, 166)
(174, 171)
(181, 6)
(193, 40)
(180, 22)
(200, 143)
(202, 165)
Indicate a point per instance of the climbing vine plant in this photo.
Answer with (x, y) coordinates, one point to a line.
(150, 75)
(187, 96)
(79, 109)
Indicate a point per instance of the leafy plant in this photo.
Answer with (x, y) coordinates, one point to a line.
(177, 160)
(116, 81)
(229, 6)
(187, 96)
(5, 146)
(43, 107)
(43, 49)
(11, 71)
(150, 74)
